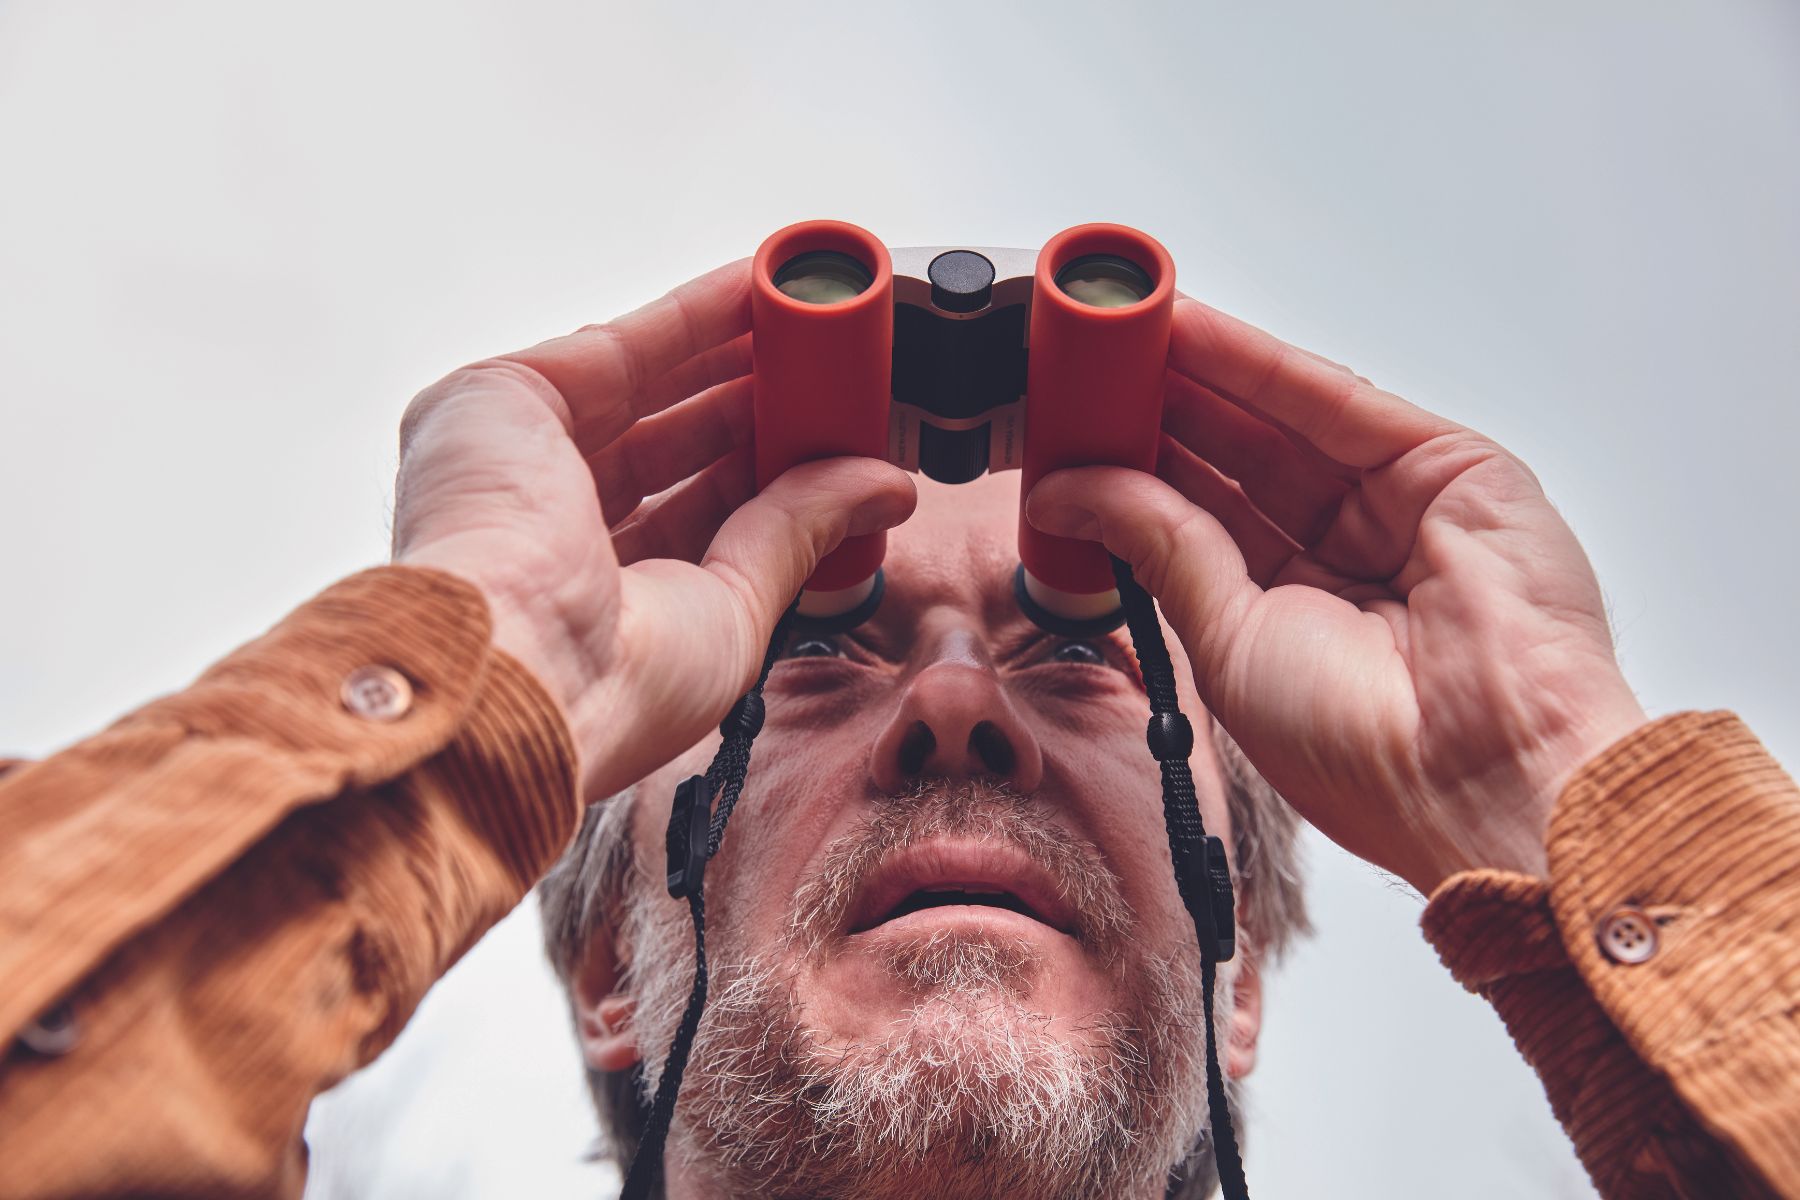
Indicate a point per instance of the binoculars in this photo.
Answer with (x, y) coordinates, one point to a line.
(956, 362)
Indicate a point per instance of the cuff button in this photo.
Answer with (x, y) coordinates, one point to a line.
(1628, 936)
(377, 693)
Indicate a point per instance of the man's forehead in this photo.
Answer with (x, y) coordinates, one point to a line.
(960, 547)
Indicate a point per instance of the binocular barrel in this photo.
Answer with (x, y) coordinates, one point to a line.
(822, 315)
(1101, 310)
(1090, 361)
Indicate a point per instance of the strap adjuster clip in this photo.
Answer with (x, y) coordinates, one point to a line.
(690, 823)
(1214, 905)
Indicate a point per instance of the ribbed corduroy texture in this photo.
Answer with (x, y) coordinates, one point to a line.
(243, 891)
(1678, 1076)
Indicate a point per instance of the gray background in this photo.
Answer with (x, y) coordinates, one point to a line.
(235, 238)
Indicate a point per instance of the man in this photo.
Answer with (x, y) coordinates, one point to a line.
(947, 917)
(951, 953)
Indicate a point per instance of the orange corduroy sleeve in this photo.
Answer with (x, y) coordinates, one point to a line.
(237, 895)
(1653, 981)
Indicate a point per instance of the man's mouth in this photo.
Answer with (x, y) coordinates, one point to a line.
(959, 879)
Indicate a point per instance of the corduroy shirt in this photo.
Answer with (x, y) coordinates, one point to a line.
(237, 895)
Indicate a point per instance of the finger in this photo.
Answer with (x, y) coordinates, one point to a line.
(1180, 552)
(1335, 365)
(767, 548)
(761, 556)
(683, 521)
(1312, 354)
(660, 451)
(708, 369)
(1288, 485)
(1266, 549)
(727, 361)
(1345, 417)
(1465, 481)
(602, 370)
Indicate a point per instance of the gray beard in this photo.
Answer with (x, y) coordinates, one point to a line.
(969, 1093)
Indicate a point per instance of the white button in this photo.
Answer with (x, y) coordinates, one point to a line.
(1628, 936)
(377, 693)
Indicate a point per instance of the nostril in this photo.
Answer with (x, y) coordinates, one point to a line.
(916, 748)
(993, 748)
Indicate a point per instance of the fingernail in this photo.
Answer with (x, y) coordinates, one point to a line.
(882, 511)
(1064, 519)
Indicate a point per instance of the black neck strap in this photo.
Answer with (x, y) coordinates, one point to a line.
(1202, 874)
(695, 829)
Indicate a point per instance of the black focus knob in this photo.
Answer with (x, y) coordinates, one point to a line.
(962, 281)
(953, 455)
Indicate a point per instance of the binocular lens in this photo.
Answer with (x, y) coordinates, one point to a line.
(823, 277)
(1104, 281)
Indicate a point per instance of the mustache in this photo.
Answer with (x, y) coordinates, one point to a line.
(976, 809)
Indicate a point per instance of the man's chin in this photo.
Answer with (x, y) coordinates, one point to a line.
(963, 958)
(964, 1089)
(968, 1008)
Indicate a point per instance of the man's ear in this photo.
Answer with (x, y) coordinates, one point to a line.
(1246, 1016)
(603, 1014)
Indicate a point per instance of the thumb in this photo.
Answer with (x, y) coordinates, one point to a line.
(693, 637)
(766, 549)
(1177, 550)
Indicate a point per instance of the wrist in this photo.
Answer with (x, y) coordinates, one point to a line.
(528, 627)
(1510, 832)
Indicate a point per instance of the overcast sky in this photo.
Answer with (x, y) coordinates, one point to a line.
(235, 239)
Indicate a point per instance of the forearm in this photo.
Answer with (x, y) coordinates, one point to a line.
(1670, 1062)
(265, 884)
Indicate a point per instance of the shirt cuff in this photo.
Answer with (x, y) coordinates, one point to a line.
(1488, 925)
(101, 841)
(1670, 914)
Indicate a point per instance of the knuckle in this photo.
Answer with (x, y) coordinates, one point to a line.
(623, 363)
(499, 382)
(1171, 545)
(800, 530)
(749, 629)
(681, 300)
(1269, 372)
(419, 411)
(512, 377)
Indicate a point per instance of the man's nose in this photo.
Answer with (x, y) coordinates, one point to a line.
(955, 721)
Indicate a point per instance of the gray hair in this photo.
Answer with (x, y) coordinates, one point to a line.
(586, 895)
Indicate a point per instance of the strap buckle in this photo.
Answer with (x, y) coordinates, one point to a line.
(690, 822)
(1212, 903)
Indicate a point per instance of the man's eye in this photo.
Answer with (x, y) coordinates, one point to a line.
(812, 645)
(1079, 652)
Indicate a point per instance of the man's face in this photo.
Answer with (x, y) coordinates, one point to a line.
(944, 906)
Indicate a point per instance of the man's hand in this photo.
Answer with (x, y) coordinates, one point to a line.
(527, 475)
(1383, 609)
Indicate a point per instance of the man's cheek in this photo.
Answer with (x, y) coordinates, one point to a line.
(787, 812)
(846, 999)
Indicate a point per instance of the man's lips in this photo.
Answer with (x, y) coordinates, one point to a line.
(962, 874)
